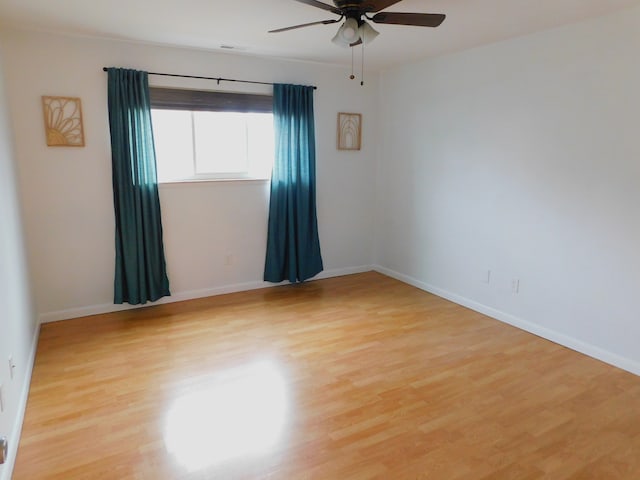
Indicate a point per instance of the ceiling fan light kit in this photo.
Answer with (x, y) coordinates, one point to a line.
(350, 34)
(347, 34)
(356, 30)
(367, 33)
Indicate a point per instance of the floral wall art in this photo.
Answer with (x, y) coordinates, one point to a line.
(63, 121)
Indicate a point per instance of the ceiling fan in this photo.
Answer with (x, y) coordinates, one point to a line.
(355, 29)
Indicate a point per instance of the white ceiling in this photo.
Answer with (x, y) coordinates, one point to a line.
(243, 24)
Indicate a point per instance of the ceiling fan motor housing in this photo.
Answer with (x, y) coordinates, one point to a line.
(350, 8)
(359, 8)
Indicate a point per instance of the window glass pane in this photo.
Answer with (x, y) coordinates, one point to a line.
(173, 140)
(261, 143)
(220, 142)
(209, 145)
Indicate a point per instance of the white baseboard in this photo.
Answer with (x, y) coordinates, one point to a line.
(14, 436)
(546, 333)
(341, 272)
(188, 295)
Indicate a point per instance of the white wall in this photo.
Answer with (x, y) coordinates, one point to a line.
(522, 158)
(17, 321)
(67, 191)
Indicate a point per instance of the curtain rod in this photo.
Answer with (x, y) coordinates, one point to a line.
(105, 69)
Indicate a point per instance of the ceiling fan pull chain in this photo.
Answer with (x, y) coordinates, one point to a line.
(362, 67)
(352, 76)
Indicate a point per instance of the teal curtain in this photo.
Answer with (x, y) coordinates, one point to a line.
(293, 246)
(140, 271)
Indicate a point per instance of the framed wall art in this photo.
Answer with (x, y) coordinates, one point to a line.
(63, 121)
(349, 131)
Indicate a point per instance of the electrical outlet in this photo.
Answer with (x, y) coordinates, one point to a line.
(12, 367)
(1, 399)
(228, 259)
(515, 285)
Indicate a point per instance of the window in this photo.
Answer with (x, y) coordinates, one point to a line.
(211, 135)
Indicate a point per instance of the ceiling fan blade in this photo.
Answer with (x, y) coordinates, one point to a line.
(376, 5)
(321, 22)
(417, 19)
(323, 6)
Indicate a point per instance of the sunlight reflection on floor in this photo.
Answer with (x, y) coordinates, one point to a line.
(240, 412)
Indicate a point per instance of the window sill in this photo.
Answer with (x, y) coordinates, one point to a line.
(215, 180)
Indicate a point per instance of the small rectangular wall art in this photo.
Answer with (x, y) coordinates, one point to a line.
(349, 131)
(63, 121)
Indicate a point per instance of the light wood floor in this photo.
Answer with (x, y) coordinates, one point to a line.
(358, 377)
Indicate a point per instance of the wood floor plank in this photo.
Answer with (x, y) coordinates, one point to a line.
(356, 377)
